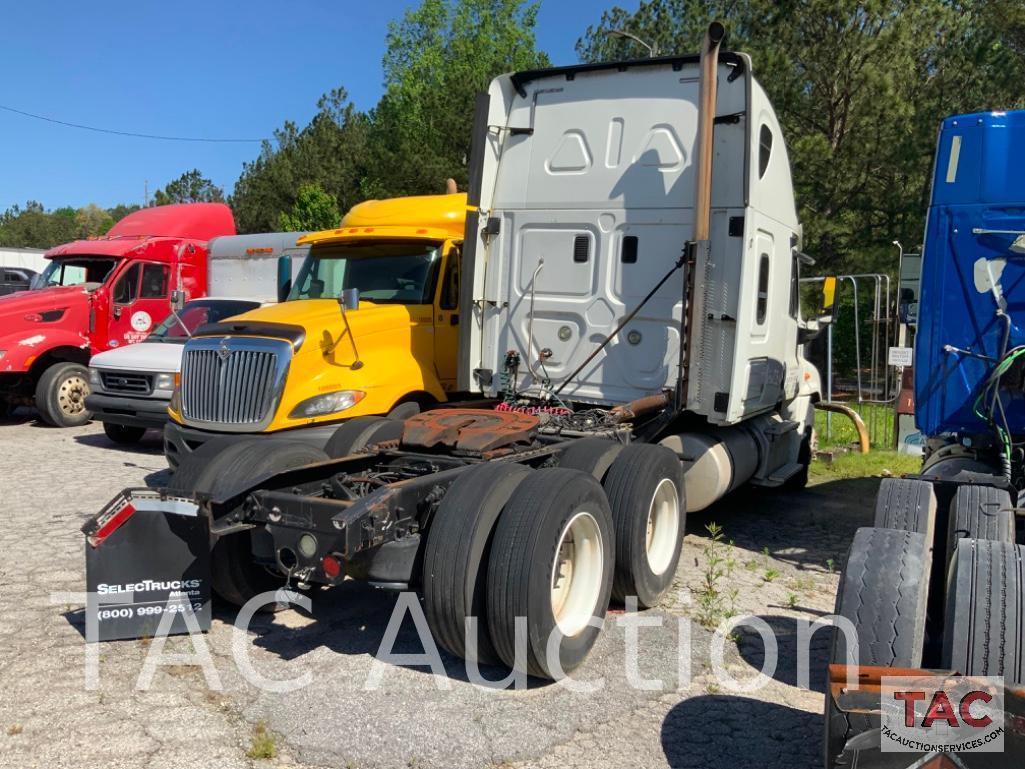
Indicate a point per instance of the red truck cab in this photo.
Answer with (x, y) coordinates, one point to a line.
(97, 295)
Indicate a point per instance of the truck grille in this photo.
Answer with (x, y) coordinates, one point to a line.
(127, 383)
(229, 382)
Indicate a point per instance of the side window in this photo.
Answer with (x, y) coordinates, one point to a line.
(127, 289)
(764, 149)
(763, 290)
(154, 281)
(449, 297)
(795, 288)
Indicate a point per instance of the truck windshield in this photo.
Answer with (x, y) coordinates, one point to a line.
(195, 314)
(385, 272)
(76, 271)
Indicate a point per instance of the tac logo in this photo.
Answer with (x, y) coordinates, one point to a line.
(936, 714)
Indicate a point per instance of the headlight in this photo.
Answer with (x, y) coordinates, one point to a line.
(328, 403)
(94, 377)
(163, 382)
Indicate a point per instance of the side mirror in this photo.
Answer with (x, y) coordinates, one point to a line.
(348, 299)
(284, 277)
(177, 300)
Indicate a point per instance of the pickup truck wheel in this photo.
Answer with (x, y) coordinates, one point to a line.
(645, 490)
(592, 455)
(456, 558)
(60, 395)
(551, 563)
(356, 434)
(979, 512)
(883, 592)
(985, 618)
(235, 577)
(123, 435)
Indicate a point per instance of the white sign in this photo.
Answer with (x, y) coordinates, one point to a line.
(901, 356)
(141, 321)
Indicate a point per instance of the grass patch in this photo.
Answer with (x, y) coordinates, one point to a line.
(263, 744)
(875, 463)
(878, 418)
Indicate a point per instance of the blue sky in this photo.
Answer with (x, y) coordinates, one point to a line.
(187, 68)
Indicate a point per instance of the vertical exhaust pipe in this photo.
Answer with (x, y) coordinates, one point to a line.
(709, 70)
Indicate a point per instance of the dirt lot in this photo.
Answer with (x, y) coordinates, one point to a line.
(782, 566)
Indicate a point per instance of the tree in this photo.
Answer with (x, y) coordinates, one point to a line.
(190, 187)
(34, 227)
(313, 209)
(859, 88)
(91, 221)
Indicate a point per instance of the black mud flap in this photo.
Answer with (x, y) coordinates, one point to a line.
(147, 567)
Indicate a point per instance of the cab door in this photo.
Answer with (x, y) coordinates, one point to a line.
(446, 320)
(139, 301)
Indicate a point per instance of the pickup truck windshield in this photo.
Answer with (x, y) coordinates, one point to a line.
(76, 271)
(385, 272)
(195, 314)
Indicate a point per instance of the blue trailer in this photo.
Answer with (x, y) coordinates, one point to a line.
(938, 583)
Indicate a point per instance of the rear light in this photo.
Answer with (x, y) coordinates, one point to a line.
(332, 567)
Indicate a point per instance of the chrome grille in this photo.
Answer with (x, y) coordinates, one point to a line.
(232, 382)
(127, 383)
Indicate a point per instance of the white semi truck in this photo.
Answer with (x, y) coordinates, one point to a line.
(131, 386)
(631, 337)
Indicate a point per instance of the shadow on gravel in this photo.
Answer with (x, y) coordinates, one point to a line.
(751, 648)
(351, 618)
(705, 733)
(152, 443)
(808, 528)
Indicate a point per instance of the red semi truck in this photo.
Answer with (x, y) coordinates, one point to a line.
(97, 295)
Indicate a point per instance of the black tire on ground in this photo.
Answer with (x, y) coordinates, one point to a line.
(906, 505)
(192, 465)
(645, 490)
(356, 434)
(985, 619)
(979, 512)
(591, 455)
(456, 557)
(883, 592)
(123, 435)
(799, 480)
(61, 393)
(554, 514)
(235, 577)
(405, 410)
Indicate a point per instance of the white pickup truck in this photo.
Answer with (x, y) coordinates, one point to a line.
(132, 386)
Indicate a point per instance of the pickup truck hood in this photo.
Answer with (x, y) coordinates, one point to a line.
(146, 356)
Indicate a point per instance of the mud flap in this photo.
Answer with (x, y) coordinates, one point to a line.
(147, 555)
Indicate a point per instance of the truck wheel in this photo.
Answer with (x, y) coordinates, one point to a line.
(356, 434)
(906, 505)
(979, 512)
(884, 592)
(404, 411)
(592, 455)
(645, 490)
(60, 395)
(123, 435)
(985, 619)
(551, 563)
(192, 465)
(456, 558)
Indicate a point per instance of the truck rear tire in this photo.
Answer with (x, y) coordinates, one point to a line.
(552, 563)
(456, 557)
(123, 435)
(979, 512)
(906, 505)
(883, 592)
(356, 434)
(985, 619)
(60, 395)
(191, 466)
(592, 455)
(645, 490)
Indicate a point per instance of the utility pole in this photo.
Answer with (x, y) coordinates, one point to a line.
(145, 193)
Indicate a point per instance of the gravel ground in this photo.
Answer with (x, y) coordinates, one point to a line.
(780, 555)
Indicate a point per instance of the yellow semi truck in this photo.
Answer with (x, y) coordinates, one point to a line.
(308, 363)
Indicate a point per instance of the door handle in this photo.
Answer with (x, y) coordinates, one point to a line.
(117, 313)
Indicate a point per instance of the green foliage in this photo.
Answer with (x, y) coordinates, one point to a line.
(35, 227)
(313, 209)
(190, 187)
(860, 88)
(874, 464)
(716, 600)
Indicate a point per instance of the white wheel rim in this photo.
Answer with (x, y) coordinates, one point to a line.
(577, 574)
(663, 527)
